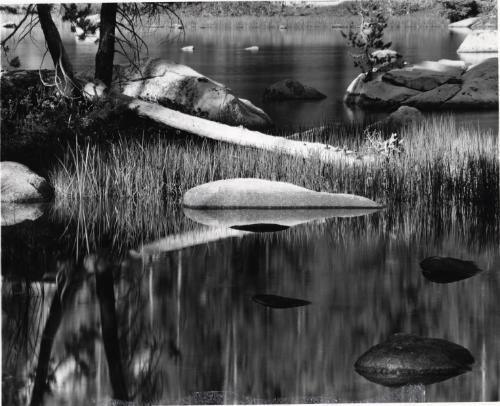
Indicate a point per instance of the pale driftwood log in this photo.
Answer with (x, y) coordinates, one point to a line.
(244, 137)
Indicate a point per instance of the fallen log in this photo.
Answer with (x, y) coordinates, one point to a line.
(244, 137)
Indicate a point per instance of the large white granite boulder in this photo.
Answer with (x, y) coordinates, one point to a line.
(480, 41)
(15, 213)
(19, 184)
(250, 193)
(182, 88)
(467, 23)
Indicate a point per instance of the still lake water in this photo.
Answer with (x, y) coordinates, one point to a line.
(317, 57)
(183, 326)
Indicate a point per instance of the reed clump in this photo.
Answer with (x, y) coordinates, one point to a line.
(439, 166)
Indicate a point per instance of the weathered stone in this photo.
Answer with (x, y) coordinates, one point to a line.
(479, 88)
(407, 359)
(289, 89)
(182, 88)
(434, 98)
(447, 270)
(21, 185)
(258, 193)
(466, 23)
(279, 302)
(377, 94)
(479, 41)
(420, 79)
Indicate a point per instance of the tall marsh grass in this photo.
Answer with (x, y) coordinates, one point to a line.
(134, 187)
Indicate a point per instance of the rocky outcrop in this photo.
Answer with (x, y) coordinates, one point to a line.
(420, 79)
(435, 97)
(21, 185)
(479, 88)
(250, 193)
(289, 89)
(377, 93)
(429, 86)
(479, 41)
(407, 359)
(182, 88)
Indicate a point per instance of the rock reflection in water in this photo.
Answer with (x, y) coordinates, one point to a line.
(261, 227)
(244, 219)
(447, 270)
(407, 359)
(279, 302)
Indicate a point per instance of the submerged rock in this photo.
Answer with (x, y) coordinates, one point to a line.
(479, 41)
(289, 89)
(21, 185)
(182, 88)
(279, 302)
(189, 48)
(253, 193)
(447, 269)
(407, 359)
(253, 48)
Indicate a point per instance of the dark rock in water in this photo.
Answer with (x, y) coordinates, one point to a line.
(447, 270)
(407, 359)
(261, 227)
(289, 89)
(279, 302)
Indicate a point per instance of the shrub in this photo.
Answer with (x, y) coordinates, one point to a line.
(456, 10)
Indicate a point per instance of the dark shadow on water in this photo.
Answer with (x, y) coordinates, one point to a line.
(448, 270)
(279, 302)
(261, 227)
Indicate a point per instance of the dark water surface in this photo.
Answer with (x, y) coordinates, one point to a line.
(318, 57)
(184, 326)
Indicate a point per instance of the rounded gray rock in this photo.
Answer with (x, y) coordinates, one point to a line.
(407, 359)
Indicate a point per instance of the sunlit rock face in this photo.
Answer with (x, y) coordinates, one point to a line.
(279, 302)
(253, 193)
(182, 88)
(21, 185)
(479, 41)
(407, 359)
(447, 270)
(289, 89)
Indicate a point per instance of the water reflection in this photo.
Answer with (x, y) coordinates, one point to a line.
(447, 270)
(179, 324)
(279, 302)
